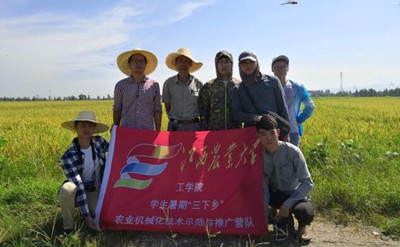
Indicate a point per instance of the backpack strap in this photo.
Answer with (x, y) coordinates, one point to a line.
(283, 125)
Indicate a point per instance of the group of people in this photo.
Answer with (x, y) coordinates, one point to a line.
(273, 104)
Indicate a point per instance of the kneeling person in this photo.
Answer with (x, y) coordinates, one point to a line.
(287, 176)
(83, 165)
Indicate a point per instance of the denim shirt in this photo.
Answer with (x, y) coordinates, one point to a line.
(267, 94)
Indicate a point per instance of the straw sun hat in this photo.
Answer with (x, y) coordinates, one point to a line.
(123, 63)
(171, 60)
(86, 116)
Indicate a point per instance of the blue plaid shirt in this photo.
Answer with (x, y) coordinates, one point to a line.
(73, 169)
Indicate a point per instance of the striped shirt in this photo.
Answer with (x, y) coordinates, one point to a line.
(137, 101)
(73, 169)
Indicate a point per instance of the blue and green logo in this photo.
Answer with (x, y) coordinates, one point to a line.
(143, 163)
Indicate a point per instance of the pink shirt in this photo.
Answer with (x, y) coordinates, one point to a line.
(137, 101)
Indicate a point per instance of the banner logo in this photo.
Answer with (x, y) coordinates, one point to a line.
(144, 162)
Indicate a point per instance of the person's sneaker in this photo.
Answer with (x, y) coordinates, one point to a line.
(280, 229)
(284, 228)
(303, 240)
(291, 229)
(265, 238)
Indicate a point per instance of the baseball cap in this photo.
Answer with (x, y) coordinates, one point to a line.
(280, 58)
(247, 55)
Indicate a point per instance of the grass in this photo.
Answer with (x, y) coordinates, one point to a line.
(351, 145)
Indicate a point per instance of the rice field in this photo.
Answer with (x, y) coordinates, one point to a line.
(351, 145)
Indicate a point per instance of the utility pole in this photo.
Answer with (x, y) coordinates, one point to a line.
(341, 82)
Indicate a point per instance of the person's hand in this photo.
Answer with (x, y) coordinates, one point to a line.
(273, 212)
(90, 224)
(112, 127)
(284, 211)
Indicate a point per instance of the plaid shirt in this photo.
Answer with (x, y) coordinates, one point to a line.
(137, 101)
(73, 169)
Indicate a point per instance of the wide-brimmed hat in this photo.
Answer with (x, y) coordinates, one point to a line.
(123, 61)
(171, 60)
(86, 116)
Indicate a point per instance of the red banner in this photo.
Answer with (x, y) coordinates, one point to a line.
(188, 182)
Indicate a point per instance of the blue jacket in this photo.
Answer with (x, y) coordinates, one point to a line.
(301, 96)
(267, 93)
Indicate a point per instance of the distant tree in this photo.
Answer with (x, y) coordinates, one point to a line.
(395, 92)
(82, 97)
(72, 97)
(371, 92)
(343, 94)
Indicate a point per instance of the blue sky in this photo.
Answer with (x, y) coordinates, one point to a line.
(62, 48)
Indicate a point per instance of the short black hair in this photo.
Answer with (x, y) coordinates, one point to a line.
(76, 122)
(267, 122)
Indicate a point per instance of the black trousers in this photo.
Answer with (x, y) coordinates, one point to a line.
(303, 210)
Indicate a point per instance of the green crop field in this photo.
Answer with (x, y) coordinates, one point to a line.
(351, 145)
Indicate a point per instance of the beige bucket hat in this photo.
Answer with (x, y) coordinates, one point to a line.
(123, 63)
(171, 60)
(86, 116)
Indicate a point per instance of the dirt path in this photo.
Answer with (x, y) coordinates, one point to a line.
(327, 234)
(324, 234)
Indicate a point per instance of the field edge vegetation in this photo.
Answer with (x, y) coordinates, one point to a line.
(351, 146)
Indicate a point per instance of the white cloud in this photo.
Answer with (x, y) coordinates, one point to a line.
(49, 48)
(43, 49)
(187, 9)
(173, 12)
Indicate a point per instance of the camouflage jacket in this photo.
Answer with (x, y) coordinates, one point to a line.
(215, 101)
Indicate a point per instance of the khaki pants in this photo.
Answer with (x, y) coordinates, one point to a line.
(67, 199)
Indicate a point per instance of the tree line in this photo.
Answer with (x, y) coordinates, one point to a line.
(359, 93)
(327, 93)
(49, 98)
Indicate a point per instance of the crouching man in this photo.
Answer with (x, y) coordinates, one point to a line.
(83, 165)
(288, 179)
